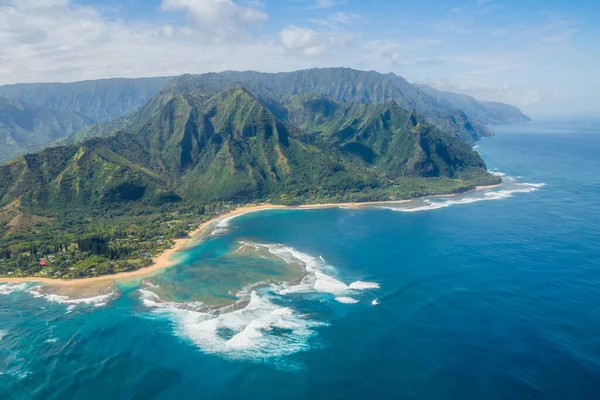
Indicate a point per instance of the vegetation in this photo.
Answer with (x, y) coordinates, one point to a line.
(96, 242)
(109, 204)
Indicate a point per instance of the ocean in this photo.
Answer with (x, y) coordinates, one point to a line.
(486, 295)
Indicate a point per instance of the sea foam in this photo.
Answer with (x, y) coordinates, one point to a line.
(512, 187)
(346, 300)
(96, 301)
(151, 299)
(359, 285)
(222, 226)
(319, 281)
(261, 330)
(9, 288)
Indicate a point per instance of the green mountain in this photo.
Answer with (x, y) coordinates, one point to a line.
(385, 135)
(26, 128)
(113, 100)
(233, 147)
(484, 112)
(343, 84)
(108, 204)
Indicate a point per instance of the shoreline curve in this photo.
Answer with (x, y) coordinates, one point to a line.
(163, 260)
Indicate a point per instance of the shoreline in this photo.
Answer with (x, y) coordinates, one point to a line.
(163, 260)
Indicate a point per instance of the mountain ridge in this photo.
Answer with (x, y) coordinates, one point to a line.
(109, 100)
(232, 147)
(102, 205)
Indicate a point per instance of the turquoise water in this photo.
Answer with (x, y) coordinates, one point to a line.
(490, 295)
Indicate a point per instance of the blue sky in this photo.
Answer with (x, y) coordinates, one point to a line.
(542, 56)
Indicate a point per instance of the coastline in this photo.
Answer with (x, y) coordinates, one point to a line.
(164, 261)
(160, 262)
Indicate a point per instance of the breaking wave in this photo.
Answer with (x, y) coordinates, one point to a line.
(260, 330)
(346, 300)
(8, 288)
(222, 226)
(507, 190)
(36, 291)
(151, 299)
(96, 301)
(256, 327)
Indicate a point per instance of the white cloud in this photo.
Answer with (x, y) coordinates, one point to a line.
(64, 40)
(303, 39)
(220, 18)
(42, 40)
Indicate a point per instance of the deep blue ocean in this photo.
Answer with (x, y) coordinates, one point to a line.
(487, 295)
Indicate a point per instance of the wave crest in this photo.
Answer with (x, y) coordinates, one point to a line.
(96, 301)
(256, 327)
(510, 188)
(8, 288)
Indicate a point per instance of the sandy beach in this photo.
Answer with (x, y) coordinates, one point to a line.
(160, 262)
(163, 260)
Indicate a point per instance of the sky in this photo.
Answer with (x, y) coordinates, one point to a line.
(542, 56)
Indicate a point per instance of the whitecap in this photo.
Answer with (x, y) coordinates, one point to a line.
(152, 285)
(346, 300)
(375, 302)
(278, 250)
(534, 185)
(328, 284)
(316, 280)
(360, 285)
(488, 195)
(261, 330)
(151, 299)
(222, 225)
(97, 301)
(9, 288)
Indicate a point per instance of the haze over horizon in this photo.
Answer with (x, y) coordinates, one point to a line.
(537, 57)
